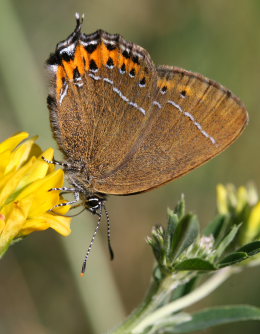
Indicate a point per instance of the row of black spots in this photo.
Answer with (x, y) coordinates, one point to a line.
(126, 54)
(90, 48)
(56, 58)
(132, 73)
(61, 53)
(111, 46)
(111, 41)
(183, 93)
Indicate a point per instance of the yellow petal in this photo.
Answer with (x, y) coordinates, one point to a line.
(53, 180)
(49, 155)
(11, 143)
(44, 200)
(40, 223)
(20, 155)
(4, 161)
(38, 169)
(14, 223)
(222, 199)
(252, 229)
(2, 222)
(242, 198)
(10, 188)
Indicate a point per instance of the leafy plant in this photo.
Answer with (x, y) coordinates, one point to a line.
(190, 265)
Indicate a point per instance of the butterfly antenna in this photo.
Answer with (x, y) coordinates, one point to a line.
(109, 235)
(83, 269)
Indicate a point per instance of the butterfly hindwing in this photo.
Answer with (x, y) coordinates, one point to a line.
(194, 119)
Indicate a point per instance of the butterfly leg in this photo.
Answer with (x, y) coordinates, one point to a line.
(64, 189)
(66, 166)
(76, 195)
(55, 162)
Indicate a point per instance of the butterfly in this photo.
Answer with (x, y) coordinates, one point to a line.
(125, 125)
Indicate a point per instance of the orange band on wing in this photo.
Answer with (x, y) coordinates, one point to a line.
(59, 79)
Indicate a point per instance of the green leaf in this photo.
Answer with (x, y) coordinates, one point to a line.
(216, 226)
(217, 316)
(185, 234)
(184, 289)
(180, 208)
(232, 259)
(251, 249)
(227, 241)
(195, 264)
(170, 321)
(169, 233)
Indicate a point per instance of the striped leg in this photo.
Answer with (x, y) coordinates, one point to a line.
(55, 162)
(64, 189)
(77, 198)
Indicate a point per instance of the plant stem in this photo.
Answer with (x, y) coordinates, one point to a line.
(204, 290)
(157, 293)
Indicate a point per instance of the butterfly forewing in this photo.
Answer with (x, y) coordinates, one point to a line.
(106, 107)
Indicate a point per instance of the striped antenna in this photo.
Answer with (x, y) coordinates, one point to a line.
(109, 234)
(92, 240)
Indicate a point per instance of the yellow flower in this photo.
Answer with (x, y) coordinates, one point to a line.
(24, 197)
(244, 206)
(228, 197)
(252, 228)
(222, 199)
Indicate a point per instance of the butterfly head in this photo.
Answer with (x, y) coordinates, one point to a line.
(94, 204)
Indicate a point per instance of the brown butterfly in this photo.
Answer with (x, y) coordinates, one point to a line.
(125, 125)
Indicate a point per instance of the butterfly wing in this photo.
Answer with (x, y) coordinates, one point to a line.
(101, 98)
(193, 119)
(129, 126)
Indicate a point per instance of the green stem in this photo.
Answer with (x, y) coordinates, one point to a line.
(204, 290)
(155, 297)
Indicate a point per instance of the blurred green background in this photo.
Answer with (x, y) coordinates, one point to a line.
(40, 287)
